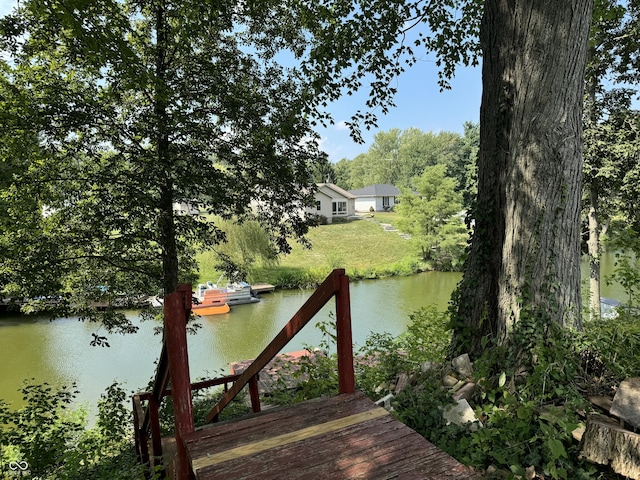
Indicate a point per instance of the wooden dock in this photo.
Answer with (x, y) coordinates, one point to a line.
(342, 437)
(263, 288)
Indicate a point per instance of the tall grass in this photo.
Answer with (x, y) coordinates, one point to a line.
(362, 247)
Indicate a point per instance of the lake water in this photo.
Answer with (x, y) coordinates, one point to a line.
(58, 352)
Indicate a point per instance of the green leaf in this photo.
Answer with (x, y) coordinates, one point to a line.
(557, 448)
(502, 380)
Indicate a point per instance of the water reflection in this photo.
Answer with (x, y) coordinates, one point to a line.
(58, 352)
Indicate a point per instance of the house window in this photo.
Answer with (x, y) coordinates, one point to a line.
(339, 208)
(385, 202)
(318, 205)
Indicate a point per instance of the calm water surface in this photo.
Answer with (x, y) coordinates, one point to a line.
(58, 352)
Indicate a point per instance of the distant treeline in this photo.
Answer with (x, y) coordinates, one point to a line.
(399, 157)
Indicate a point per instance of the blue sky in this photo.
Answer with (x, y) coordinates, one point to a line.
(419, 104)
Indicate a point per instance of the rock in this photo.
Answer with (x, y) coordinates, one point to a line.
(428, 366)
(459, 413)
(462, 365)
(530, 473)
(449, 381)
(457, 386)
(383, 387)
(600, 401)
(578, 433)
(401, 384)
(626, 402)
(466, 392)
(385, 402)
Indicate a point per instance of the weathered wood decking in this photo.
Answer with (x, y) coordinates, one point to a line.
(342, 437)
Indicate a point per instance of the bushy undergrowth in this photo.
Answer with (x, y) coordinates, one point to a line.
(527, 402)
(383, 357)
(315, 375)
(203, 402)
(610, 350)
(46, 439)
(530, 396)
(311, 277)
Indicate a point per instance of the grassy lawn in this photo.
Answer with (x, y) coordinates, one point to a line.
(358, 244)
(362, 247)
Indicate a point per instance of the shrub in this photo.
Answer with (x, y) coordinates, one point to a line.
(610, 350)
(53, 440)
(320, 220)
(384, 357)
(203, 402)
(314, 375)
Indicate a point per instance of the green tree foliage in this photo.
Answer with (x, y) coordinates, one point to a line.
(324, 172)
(342, 170)
(50, 438)
(136, 108)
(430, 215)
(463, 168)
(247, 245)
(610, 128)
(397, 157)
(139, 106)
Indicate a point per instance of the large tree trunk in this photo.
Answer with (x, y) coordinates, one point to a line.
(525, 251)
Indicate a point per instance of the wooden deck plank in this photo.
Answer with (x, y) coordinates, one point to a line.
(287, 438)
(342, 437)
(312, 456)
(374, 460)
(275, 422)
(386, 457)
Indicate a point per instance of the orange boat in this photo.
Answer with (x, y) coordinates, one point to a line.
(210, 309)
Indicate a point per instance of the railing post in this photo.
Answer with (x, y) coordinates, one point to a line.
(141, 438)
(177, 308)
(254, 394)
(346, 376)
(154, 424)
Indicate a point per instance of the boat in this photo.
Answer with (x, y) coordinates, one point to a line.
(197, 306)
(204, 309)
(236, 293)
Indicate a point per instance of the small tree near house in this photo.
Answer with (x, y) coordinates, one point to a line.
(430, 216)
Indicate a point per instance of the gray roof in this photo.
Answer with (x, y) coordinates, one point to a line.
(335, 189)
(378, 190)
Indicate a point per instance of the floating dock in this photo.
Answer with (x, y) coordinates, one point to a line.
(263, 288)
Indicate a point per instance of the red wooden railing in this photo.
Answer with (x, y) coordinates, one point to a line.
(174, 364)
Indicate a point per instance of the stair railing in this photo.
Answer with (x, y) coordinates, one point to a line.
(174, 364)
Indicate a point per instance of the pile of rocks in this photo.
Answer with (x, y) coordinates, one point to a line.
(457, 379)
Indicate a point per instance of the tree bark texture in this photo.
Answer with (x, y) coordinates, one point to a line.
(525, 250)
(605, 442)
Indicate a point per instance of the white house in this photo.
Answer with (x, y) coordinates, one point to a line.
(332, 201)
(382, 197)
